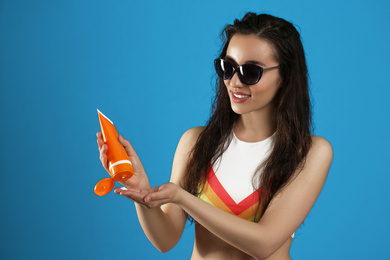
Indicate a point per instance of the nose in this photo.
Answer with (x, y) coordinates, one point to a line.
(235, 81)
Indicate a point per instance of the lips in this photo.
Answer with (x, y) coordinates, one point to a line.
(239, 97)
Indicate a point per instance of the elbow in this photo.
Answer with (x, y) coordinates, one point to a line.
(265, 251)
(163, 250)
(261, 256)
(164, 247)
(164, 243)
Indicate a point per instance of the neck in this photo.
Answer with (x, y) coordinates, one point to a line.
(255, 126)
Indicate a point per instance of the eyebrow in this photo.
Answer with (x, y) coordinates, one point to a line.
(227, 57)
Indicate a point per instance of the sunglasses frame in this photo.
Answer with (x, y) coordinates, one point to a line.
(237, 69)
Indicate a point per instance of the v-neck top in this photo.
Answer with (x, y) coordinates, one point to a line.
(231, 179)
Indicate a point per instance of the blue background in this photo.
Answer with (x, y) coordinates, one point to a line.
(148, 66)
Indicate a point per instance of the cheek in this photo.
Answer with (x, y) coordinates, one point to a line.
(265, 93)
(227, 90)
(267, 87)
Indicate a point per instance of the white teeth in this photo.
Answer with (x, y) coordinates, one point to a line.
(240, 96)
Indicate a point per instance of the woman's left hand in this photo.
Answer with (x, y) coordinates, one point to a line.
(154, 197)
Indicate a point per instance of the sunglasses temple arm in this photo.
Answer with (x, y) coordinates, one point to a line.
(276, 67)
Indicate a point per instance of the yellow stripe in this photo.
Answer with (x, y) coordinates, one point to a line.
(213, 197)
(204, 197)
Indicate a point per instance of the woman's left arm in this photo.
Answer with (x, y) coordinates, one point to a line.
(285, 213)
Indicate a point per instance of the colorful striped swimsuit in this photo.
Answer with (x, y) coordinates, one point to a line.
(229, 180)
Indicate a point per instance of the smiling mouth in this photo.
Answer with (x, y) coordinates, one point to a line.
(241, 96)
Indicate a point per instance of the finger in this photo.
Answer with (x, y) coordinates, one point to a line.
(100, 143)
(103, 156)
(118, 190)
(137, 197)
(99, 139)
(150, 191)
(134, 194)
(157, 195)
(158, 203)
(125, 188)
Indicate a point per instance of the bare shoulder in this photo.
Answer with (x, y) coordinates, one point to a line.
(318, 159)
(190, 137)
(183, 151)
(321, 148)
(320, 141)
(194, 132)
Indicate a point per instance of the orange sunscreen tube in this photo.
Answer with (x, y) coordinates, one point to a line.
(119, 164)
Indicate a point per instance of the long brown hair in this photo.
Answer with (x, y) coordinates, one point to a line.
(292, 117)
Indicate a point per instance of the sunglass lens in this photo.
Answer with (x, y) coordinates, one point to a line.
(250, 74)
(224, 69)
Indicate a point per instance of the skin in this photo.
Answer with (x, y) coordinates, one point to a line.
(160, 209)
(254, 123)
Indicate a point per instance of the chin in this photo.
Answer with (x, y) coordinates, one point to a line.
(238, 110)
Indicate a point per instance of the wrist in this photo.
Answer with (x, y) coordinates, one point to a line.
(179, 196)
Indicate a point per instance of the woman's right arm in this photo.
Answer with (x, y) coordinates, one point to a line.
(162, 225)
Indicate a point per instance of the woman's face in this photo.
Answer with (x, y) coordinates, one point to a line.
(257, 98)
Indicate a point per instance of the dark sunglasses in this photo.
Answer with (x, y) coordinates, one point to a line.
(249, 74)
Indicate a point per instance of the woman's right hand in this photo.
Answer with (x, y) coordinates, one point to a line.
(139, 180)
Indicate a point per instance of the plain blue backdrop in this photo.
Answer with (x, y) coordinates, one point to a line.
(148, 65)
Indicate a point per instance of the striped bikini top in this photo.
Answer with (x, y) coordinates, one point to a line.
(229, 184)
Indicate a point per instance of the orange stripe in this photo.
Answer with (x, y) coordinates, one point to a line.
(225, 197)
(250, 212)
(213, 197)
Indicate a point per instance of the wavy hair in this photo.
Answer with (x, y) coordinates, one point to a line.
(292, 117)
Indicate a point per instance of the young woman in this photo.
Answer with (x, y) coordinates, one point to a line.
(250, 176)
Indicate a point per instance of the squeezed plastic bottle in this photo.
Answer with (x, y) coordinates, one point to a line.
(119, 164)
